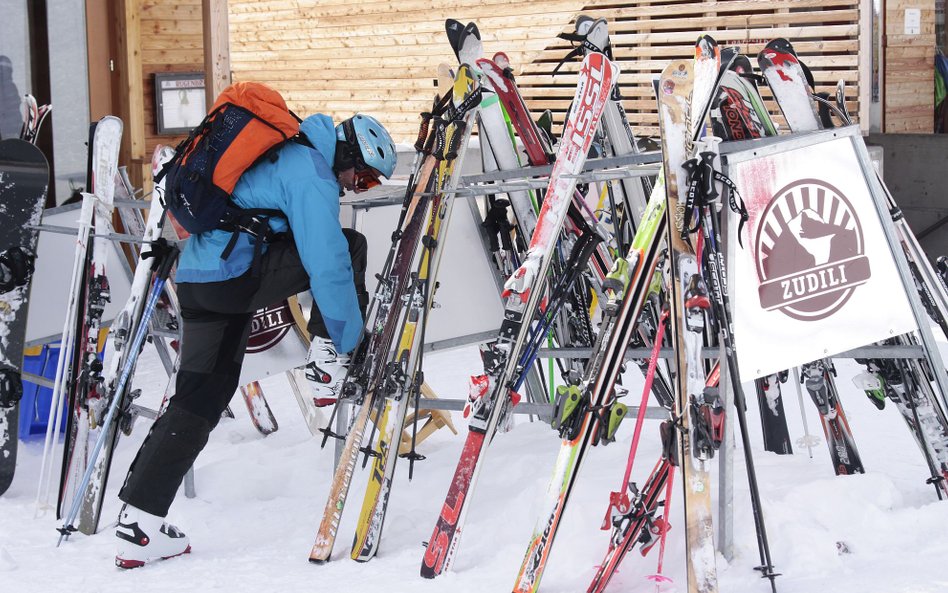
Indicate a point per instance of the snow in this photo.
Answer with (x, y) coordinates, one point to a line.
(260, 498)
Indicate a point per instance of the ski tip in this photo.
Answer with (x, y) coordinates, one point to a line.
(128, 564)
(318, 560)
(471, 29)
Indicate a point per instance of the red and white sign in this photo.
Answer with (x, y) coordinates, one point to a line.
(815, 276)
(273, 346)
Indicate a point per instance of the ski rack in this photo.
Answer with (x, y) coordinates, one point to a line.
(527, 178)
(501, 182)
(597, 171)
(613, 168)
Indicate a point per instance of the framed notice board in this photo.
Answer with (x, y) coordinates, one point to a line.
(179, 101)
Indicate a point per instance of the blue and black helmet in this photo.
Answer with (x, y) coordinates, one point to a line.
(361, 141)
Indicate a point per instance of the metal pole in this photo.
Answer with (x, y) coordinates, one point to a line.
(726, 467)
(808, 440)
(189, 490)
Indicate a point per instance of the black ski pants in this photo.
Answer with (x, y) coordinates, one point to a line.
(215, 320)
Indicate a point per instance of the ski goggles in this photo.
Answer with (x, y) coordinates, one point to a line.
(366, 178)
(348, 155)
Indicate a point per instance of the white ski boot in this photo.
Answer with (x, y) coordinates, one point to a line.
(144, 538)
(325, 370)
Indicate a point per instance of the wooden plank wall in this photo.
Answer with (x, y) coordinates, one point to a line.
(647, 34)
(909, 69)
(380, 57)
(337, 57)
(171, 41)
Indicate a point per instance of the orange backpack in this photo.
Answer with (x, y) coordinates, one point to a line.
(248, 122)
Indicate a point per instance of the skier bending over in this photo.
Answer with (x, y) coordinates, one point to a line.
(218, 298)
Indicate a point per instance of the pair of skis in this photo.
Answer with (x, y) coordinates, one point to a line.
(591, 412)
(504, 366)
(684, 89)
(79, 376)
(379, 383)
(698, 294)
(594, 406)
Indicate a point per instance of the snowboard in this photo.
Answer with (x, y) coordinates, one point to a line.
(24, 175)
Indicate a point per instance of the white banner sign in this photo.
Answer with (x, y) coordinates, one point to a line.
(274, 345)
(814, 276)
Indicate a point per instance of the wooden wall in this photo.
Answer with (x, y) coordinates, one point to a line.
(171, 41)
(381, 56)
(338, 57)
(647, 34)
(909, 69)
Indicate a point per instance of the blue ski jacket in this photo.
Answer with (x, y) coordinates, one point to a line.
(302, 185)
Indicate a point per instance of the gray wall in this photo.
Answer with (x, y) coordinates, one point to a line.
(14, 43)
(68, 77)
(69, 80)
(915, 168)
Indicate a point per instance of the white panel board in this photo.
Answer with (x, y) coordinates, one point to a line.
(467, 295)
(54, 258)
(814, 276)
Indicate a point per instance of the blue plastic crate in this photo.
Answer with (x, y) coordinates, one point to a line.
(34, 407)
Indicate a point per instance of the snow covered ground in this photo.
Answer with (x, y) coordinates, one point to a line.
(260, 499)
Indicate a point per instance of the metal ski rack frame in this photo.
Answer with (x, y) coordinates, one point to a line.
(607, 169)
(500, 182)
(740, 151)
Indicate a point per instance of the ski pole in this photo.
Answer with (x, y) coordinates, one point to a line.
(65, 354)
(808, 440)
(658, 578)
(619, 500)
(169, 254)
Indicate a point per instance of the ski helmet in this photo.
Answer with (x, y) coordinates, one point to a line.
(361, 141)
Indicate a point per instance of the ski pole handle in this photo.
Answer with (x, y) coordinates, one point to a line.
(167, 262)
(165, 254)
(440, 140)
(455, 146)
(423, 130)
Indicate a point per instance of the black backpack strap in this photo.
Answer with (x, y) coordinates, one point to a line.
(302, 139)
(256, 223)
